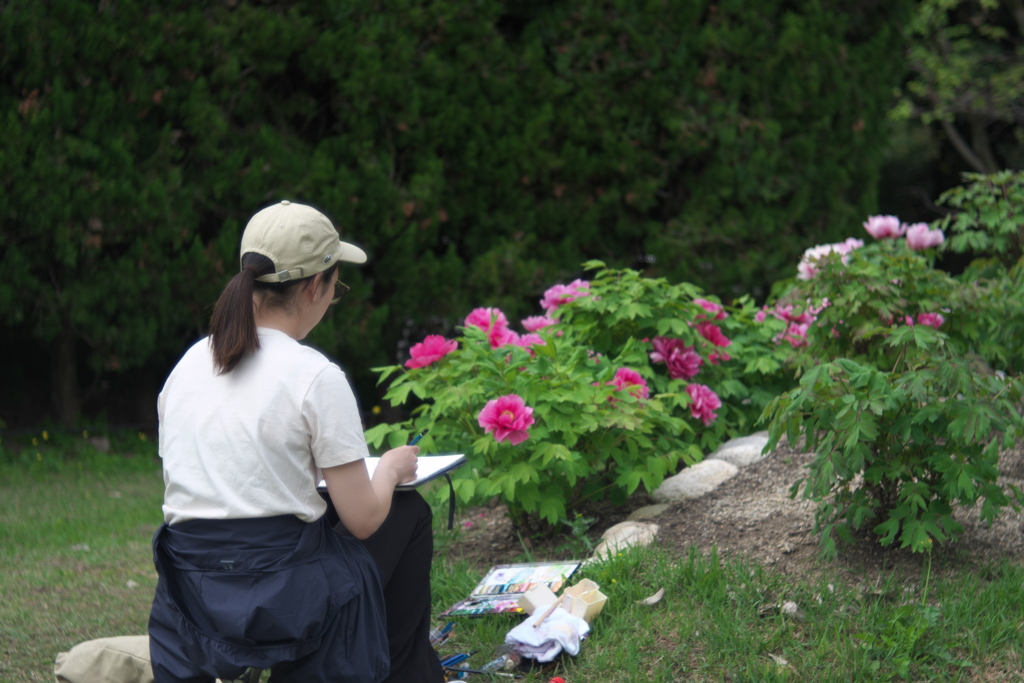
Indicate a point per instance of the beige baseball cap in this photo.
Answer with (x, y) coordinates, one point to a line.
(300, 241)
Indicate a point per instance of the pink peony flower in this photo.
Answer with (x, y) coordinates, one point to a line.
(804, 317)
(433, 348)
(713, 334)
(884, 227)
(494, 323)
(559, 295)
(931, 319)
(537, 322)
(711, 307)
(682, 361)
(920, 237)
(684, 364)
(761, 315)
(484, 318)
(848, 245)
(663, 348)
(631, 381)
(808, 266)
(715, 357)
(799, 321)
(796, 334)
(508, 418)
(502, 336)
(704, 403)
(528, 340)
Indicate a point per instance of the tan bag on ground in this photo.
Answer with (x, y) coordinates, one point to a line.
(121, 659)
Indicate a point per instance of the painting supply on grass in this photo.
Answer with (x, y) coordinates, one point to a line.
(499, 663)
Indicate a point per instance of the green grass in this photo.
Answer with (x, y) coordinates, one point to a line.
(75, 560)
(718, 621)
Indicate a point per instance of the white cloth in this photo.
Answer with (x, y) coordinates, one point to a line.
(251, 443)
(560, 631)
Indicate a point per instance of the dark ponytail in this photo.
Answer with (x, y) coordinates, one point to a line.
(233, 324)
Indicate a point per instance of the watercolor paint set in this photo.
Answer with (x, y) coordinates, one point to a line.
(500, 589)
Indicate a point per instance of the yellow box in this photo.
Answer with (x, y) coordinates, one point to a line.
(585, 600)
(537, 598)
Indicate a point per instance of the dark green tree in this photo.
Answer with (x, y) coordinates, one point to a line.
(479, 152)
(125, 171)
(490, 150)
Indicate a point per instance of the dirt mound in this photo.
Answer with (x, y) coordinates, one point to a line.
(752, 516)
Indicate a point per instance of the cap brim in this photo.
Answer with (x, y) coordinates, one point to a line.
(351, 253)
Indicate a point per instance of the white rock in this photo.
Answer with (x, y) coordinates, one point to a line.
(743, 451)
(624, 535)
(695, 481)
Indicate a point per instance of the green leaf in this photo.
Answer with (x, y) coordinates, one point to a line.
(630, 481)
(375, 435)
(552, 509)
(464, 489)
(888, 530)
(399, 395)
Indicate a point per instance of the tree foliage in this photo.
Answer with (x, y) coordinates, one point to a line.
(475, 148)
(967, 77)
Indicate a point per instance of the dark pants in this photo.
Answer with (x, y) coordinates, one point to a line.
(403, 549)
(273, 593)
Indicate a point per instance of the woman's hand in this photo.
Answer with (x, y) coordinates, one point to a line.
(401, 461)
(363, 503)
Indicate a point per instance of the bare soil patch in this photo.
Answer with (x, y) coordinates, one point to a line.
(752, 516)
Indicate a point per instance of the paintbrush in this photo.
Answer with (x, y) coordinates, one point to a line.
(549, 610)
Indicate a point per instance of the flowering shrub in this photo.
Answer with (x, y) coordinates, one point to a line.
(895, 450)
(590, 401)
(542, 431)
(897, 400)
(685, 338)
(854, 297)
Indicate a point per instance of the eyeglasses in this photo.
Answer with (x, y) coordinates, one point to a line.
(340, 290)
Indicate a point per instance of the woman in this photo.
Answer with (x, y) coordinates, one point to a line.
(251, 573)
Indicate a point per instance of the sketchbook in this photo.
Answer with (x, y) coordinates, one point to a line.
(500, 589)
(429, 467)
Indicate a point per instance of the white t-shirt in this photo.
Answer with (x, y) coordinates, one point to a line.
(251, 443)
